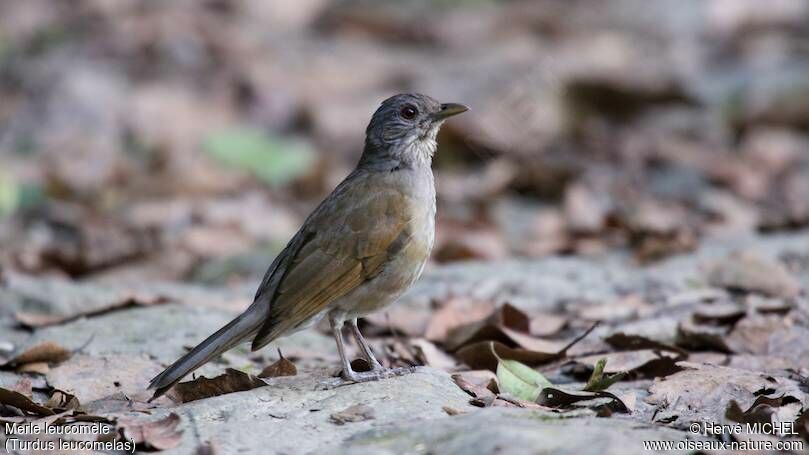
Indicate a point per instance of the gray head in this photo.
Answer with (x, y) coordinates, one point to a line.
(402, 131)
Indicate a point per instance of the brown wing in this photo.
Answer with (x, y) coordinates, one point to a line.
(347, 240)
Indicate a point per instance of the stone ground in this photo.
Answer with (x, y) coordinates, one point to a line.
(122, 349)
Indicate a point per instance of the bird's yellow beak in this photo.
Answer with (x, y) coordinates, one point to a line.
(448, 110)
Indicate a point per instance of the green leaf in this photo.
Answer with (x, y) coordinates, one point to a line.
(273, 160)
(520, 380)
(598, 381)
(9, 194)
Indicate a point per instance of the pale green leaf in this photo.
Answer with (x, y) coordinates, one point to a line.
(520, 380)
(273, 160)
(599, 381)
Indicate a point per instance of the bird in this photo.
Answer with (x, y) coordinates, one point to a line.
(363, 246)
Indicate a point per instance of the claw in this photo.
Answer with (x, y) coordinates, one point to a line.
(354, 377)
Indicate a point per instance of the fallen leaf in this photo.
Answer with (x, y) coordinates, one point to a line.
(770, 335)
(281, 367)
(355, 413)
(702, 392)
(750, 272)
(585, 210)
(62, 401)
(643, 363)
(454, 313)
(482, 393)
(104, 376)
(273, 160)
(23, 386)
(208, 448)
(431, 356)
(489, 328)
(66, 301)
(802, 425)
(628, 342)
(598, 380)
(520, 380)
(484, 354)
(546, 324)
(401, 319)
(451, 411)
(200, 388)
(718, 313)
(36, 368)
(22, 402)
(761, 411)
(46, 351)
(698, 337)
(624, 308)
(458, 242)
(160, 434)
(560, 399)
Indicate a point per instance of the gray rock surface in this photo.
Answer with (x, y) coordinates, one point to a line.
(511, 431)
(291, 416)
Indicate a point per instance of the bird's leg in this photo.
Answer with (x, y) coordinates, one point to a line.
(348, 375)
(366, 350)
(337, 331)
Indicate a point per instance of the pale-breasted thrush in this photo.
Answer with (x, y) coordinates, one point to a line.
(357, 252)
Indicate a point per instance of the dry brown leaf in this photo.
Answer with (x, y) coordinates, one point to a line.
(455, 242)
(46, 351)
(585, 210)
(39, 320)
(23, 386)
(623, 341)
(485, 354)
(36, 368)
(160, 434)
(771, 335)
(456, 312)
(506, 317)
(698, 337)
(624, 308)
(199, 388)
(561, 399)
(104, 376)
(481, 355)
(702, 392)
(208, 448)
(355, 413)
(281, 367)
(762, 410)
(546, 324)
(22, 402)
(748, 271)
(646, 362)
(62, 401)
(802, 425)
(724, 312)
(402, 319)
(81, 240)
(431, 356)
(482, 392)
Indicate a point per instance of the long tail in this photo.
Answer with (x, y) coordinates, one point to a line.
(235, 332)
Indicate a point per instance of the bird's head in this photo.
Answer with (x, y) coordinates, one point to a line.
(404, 129)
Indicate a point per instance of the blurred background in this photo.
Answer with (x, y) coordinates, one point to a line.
(187, 140)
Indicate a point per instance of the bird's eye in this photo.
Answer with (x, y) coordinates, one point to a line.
(409, 112)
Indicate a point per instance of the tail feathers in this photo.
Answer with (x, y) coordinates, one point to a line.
(235, 332)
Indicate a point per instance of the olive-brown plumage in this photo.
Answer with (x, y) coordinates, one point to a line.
(358, 251)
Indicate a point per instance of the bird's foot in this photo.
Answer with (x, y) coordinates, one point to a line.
(353, 377)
